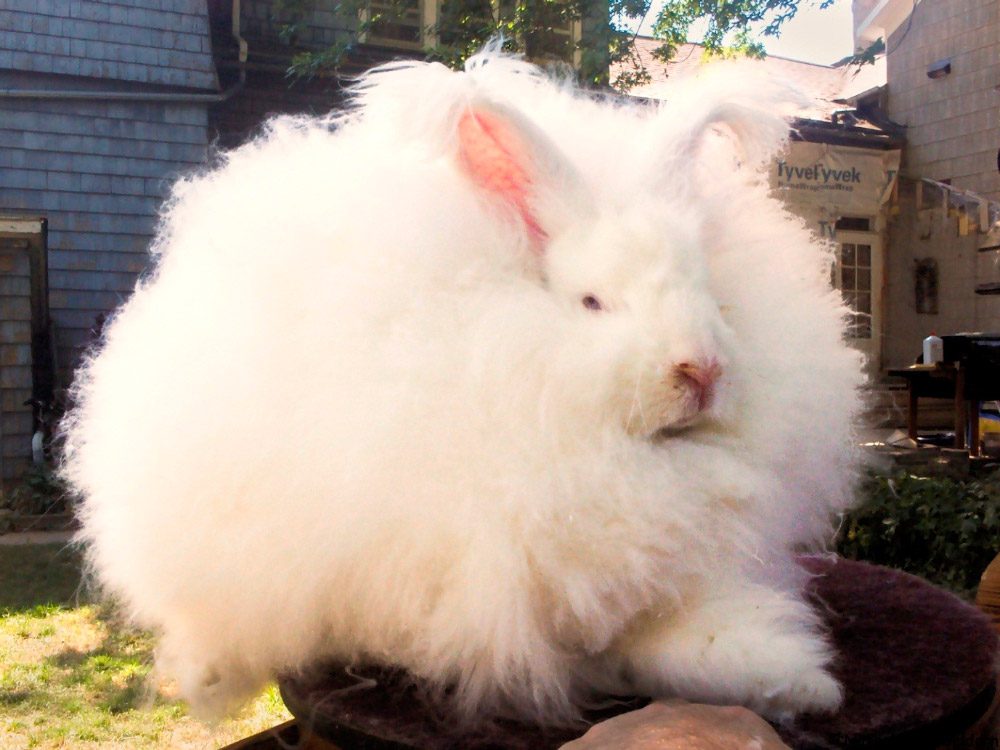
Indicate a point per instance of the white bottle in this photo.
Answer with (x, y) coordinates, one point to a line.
(933, 349)
(38, 448)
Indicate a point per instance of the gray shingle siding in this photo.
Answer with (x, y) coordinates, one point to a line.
(166, 42)
(186, 147)
(98, 171)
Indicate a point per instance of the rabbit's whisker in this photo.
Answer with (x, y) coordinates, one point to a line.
(636, 405)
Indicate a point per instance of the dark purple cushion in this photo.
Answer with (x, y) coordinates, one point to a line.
(917, 664)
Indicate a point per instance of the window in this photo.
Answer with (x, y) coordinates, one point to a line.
(458, 19)
(415, 24)
(555, 34)
(397, 23)
(853, 224)
(854, 264)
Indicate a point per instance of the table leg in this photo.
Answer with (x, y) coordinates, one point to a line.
(961, 418)
(974, 446)
(911, 413)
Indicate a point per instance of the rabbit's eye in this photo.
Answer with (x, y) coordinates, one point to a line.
(592, 303)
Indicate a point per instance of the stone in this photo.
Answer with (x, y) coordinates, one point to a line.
(676, 725)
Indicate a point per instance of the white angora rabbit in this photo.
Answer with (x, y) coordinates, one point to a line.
(532, 394)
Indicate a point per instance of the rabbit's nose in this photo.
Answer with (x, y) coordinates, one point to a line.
(701, 376)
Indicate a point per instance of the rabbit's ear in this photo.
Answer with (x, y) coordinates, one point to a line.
(757, 134)
(501, 154)
(734, 99)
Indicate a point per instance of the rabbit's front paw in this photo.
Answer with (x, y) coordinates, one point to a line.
(813, 690)
(758, 648)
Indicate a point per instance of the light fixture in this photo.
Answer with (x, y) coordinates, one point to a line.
(939, 69)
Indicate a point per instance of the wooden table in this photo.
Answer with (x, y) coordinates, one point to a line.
(943, 380)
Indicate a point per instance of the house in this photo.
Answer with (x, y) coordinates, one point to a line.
(943, 86)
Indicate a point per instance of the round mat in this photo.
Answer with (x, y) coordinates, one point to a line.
(917, 665)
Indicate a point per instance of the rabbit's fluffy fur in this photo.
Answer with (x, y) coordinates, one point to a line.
(366, 408)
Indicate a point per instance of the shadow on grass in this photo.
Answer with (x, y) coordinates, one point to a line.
(39, 582)
(38, 575)
(15, 697)
(71, 672)
(114, 673)
(110, 678)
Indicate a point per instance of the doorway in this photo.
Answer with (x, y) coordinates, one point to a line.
(26, 363)
(858, 275)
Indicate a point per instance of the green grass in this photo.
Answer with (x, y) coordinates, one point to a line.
(71, 676)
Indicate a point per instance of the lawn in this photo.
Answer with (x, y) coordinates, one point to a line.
(70, 676)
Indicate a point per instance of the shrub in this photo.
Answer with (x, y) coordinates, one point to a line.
(39, 491)
(944, 530)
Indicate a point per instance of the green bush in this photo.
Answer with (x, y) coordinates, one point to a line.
(40, 490)
(944, 530)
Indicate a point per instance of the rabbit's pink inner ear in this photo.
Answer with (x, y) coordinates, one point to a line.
(498, 160)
